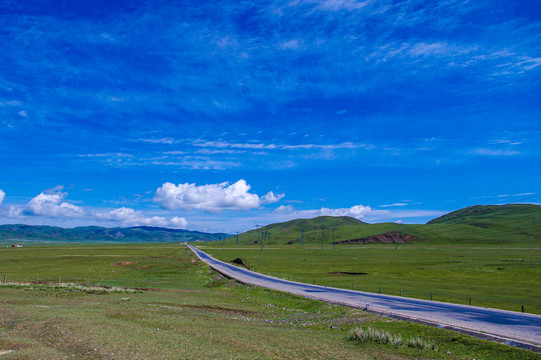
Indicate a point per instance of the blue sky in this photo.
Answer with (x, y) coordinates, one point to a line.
(218, 115)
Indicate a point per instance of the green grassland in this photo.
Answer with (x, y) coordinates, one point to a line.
(491, 276)
(187, 312)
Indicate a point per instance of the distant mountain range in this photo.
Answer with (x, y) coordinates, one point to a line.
(22, 233)
(489, 224)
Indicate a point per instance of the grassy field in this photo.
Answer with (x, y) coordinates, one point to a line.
(505, 277)
(190, 313)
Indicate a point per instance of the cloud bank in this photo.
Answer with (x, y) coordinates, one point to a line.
(51, 204)
(131, 217)
(357, 211)
(211, 197)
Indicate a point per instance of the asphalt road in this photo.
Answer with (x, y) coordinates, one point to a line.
(513, 328)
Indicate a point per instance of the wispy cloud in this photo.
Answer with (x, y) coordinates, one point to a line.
(494, 152)
(107, 155)
(196, 164)
(159, 141)
(393, 205)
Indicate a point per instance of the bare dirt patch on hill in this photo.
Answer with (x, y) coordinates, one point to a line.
(390, 237)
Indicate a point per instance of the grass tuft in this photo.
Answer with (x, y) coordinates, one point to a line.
(383, 337)
(420, 343)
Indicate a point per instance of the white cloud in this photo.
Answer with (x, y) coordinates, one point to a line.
(395, 204)
(11, 103)
(494, 152)
(285, 209)
(178, 222)
(270, 198)
(160, 141)
(200, 164)
(393, 215)
(131, 217)
(14, 212)
(225, 144)
(291, 44)
(338, 5)
(357, 211)
(211, 197)
(107, 155)
(2, 196)
(262, 146)
(49, 203)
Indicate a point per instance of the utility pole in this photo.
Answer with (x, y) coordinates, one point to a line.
(322, 236)
(237, 241)
(332, 230)
(259, 241)
(267, 235)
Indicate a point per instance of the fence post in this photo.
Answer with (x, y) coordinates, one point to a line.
(430, 296)
(5, 278)
(60, 279)
(36, 281)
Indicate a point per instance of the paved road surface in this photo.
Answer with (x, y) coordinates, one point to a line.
(514, 328)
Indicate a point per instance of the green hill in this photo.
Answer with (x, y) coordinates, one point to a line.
(480, 215)
(492, 224)
(33, 233)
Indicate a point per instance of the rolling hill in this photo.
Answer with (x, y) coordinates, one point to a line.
(516, 223)
(481, 215)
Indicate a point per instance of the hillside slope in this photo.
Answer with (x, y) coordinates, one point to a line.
(474, 215)
(490, 224)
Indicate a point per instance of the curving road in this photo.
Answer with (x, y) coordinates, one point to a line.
(512, 328)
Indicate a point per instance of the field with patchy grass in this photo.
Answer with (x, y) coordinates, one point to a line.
(502, 277)
(177, 308)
